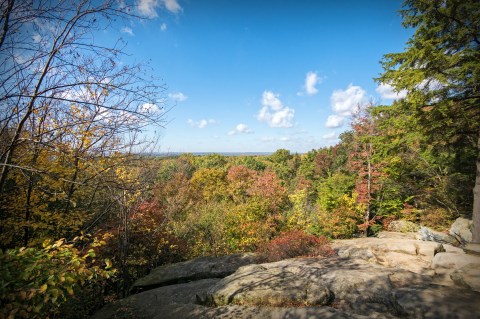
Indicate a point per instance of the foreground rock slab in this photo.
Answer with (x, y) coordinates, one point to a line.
(394, 276)
(153, 302)
(195, 269)
(273, 286)
(438, 302)
(244, 312)
(467, 276)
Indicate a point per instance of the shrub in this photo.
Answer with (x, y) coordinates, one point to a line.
(34, 283)
(295, 244)
(343, 220)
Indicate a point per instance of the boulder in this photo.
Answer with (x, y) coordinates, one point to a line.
(195, 269)
(152, 302)
(408, 254)
(354, 286)
(447, 262)
(274, 286)
(472, 248)
(467, 276)
(437, 302)
(403, 226)
(461, 229)
(428, 234)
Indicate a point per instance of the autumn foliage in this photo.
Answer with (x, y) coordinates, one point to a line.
(295, 244)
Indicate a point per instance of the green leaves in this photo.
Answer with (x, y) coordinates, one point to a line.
(34, 283)
(435, 128)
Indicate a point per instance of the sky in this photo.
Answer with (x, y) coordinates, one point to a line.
(257, 76)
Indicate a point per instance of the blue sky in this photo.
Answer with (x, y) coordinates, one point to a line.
(256, 76)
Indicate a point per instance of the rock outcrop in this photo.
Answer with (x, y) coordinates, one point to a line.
(467, 276)
(461, 229)
(195, 269)
(428, 234)
(394, 276)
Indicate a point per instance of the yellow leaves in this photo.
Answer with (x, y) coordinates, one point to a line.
(58, 243)
(46, 243)
(43, 288)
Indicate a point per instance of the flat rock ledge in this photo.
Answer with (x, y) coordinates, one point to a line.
(394, 276)
(195, 269)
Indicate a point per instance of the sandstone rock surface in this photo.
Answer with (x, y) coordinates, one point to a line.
(195, 269)
(461, 229)
(428, 234)
(467, 276)
(394, 276)
(150, 303)
(447, 262)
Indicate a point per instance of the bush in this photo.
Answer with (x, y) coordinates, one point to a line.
(34, 283)
(295, 244)
(343, 220)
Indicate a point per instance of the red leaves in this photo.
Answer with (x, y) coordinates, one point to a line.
(294, 244)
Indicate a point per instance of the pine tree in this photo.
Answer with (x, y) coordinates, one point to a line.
(440, 70)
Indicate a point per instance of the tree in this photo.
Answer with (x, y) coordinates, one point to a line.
(71, 109)
(209, 184)
(240, 179)
(362, 161)
(440, 70)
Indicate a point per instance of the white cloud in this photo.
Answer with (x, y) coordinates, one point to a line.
(178, 96)
(163, 26)
(271, 99)
(330, 136)
(311, 80)
(347, 102)
(334, 121)
(202, 123)
(387, 92)
(37, 38)
(240, 129)
(148, 8)
(127, 30)
(149, 108)
(273, 112)
(172, 6)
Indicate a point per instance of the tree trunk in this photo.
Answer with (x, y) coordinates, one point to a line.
(369, 189)
(5, 18)
(476, 199)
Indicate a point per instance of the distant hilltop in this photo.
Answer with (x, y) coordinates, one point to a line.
(174, 154)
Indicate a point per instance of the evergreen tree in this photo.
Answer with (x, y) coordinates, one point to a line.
(440, 70)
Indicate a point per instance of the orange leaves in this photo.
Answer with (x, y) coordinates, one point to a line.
(240, 180)
(268, 189)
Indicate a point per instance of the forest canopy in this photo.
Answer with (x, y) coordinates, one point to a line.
(85, 211)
